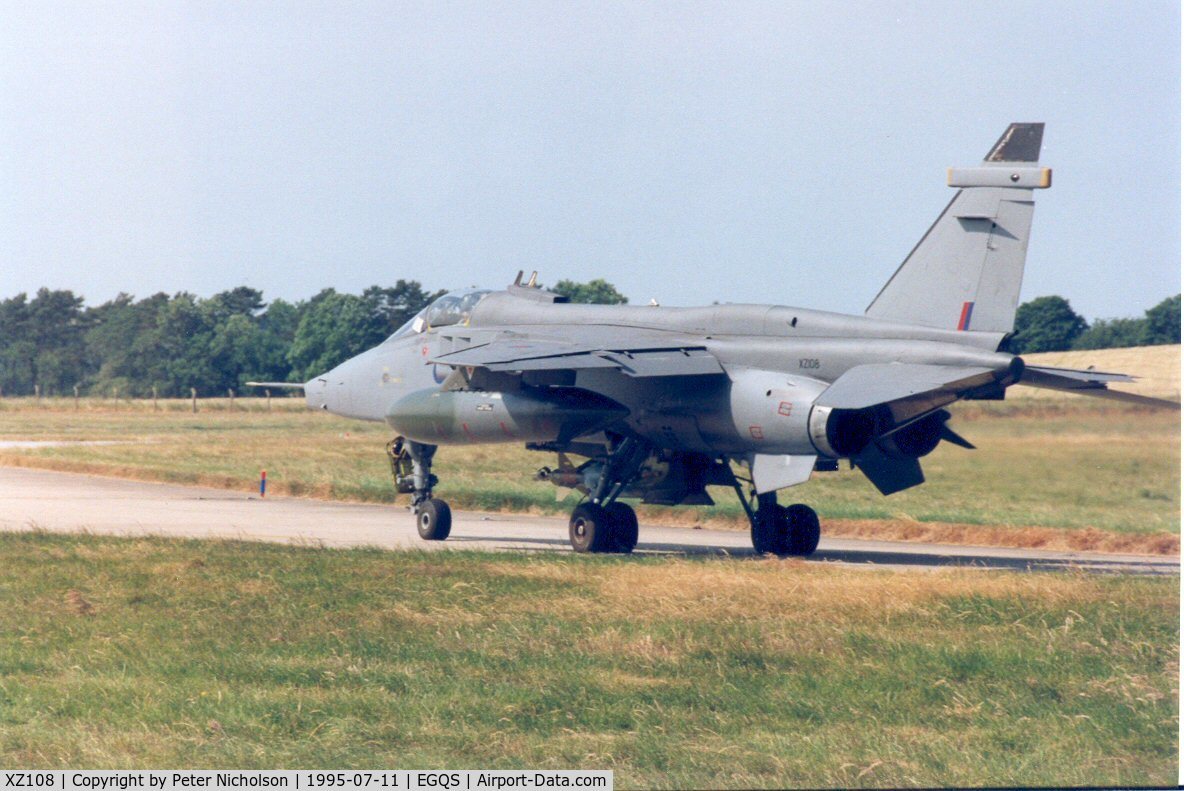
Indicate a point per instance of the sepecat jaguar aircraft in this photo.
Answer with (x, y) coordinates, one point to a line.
(659, 403)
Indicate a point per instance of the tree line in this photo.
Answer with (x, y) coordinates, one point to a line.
(171, 343)
(52, 342)
(1049, 324)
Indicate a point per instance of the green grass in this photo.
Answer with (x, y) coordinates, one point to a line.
(1059, 466)
(674, 673)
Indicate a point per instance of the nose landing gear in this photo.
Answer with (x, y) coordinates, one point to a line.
(411, 464)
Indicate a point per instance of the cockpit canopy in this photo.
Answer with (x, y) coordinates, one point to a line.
(455, 307)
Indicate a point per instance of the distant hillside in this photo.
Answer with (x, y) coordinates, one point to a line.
(1157, 369)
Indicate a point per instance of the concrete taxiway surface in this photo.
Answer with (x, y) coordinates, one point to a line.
(37, 499)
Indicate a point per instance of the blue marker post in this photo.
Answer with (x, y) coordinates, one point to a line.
(263, 483)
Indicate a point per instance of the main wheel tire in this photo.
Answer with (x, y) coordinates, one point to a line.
(781, 534)
(760, 537)
(433, 520)
(804, 530)
(623, 524)
(768, 531)
(590, 529)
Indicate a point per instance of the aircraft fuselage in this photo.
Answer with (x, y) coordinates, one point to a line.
(777, 360)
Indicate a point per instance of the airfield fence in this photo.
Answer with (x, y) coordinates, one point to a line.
(284, 402)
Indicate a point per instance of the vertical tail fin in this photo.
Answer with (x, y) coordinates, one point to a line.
(966, 271)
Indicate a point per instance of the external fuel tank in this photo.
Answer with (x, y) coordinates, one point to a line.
(469, 417)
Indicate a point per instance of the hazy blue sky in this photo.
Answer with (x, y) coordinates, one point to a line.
(741, 152)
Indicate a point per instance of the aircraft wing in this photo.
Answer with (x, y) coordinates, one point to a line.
(1090, 383)
(881, 383)
(643, 359)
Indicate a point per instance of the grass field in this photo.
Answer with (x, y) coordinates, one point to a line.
(1079, 474)
(675, 673)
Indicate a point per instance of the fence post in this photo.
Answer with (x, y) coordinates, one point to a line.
(268, 393)
(37, 392)
(154, 408)
(193, 395)
(230, 392)
(75, 398)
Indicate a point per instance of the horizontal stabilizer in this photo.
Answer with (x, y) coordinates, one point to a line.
(1085, 379)
(1090, 383)
(278, 385)
(770, 473)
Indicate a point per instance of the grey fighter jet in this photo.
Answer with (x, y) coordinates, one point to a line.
(657, 404)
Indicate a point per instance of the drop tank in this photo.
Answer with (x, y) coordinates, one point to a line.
(466, 417)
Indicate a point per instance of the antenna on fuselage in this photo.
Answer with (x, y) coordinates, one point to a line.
(532, 290)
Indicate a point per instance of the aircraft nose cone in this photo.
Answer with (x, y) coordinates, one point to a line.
(315, 394)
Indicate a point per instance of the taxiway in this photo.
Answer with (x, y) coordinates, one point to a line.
(36, 499)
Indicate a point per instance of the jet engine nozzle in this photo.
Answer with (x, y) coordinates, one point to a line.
(917, 439)
(841, 433)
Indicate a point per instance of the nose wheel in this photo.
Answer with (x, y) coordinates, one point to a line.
(411, 465)
(433, 520)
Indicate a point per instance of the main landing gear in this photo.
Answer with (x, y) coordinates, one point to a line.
(602, 523)
(784, 529)
(607, 528)
(781, 530)
(411, 463)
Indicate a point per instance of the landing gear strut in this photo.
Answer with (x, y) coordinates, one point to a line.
(781, 530)
(411, 464)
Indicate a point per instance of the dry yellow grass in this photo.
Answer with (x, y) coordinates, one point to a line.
(689, 593)
(1087, 539)
(684, 673)
(1157, 369)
